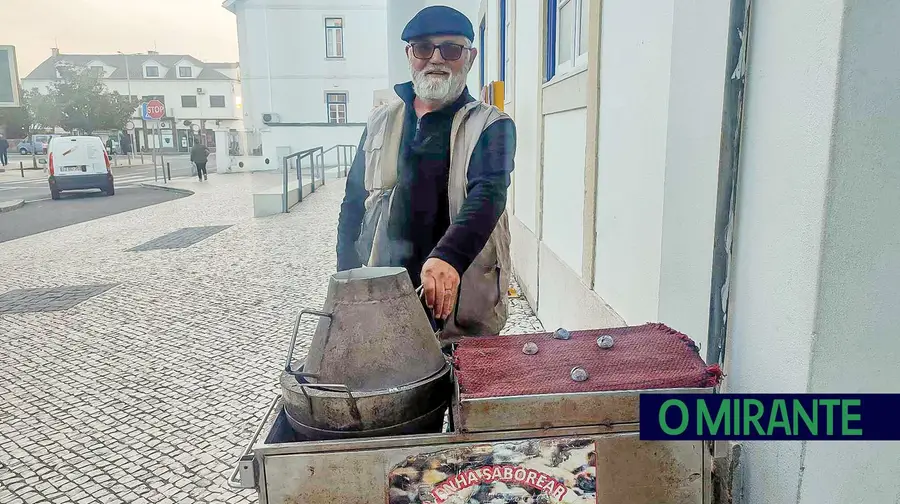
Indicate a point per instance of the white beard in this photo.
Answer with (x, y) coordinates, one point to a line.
(439, 88)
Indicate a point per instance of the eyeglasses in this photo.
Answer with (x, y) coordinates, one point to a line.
(449, 50)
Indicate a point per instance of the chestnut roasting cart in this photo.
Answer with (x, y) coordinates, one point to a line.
(555, 422)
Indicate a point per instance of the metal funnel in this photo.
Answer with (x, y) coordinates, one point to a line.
(378, 335)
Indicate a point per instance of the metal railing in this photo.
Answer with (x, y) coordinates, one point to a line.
(316, 155)
(345, 155)
(299, 157)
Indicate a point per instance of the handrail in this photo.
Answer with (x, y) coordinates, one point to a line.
(348, 151)
(316, 157)
(299, 156)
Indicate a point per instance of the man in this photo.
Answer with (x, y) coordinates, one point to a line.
(199, 155)
(409, 203)
(4, 148)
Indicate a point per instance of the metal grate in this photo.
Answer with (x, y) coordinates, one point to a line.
(182, 238)
(49, 299)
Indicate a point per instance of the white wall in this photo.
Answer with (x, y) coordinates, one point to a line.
(283, 63)
(815, 285)
(693, 139)
(563, 182)
(527, 82)
(300, 138)
(635, 55)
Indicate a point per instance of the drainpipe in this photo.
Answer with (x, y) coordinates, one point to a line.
(729, 160)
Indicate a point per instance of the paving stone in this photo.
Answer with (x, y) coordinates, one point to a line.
(159, 381)
(48, 299)
(181, 238)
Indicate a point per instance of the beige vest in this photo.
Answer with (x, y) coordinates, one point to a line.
(482, 306)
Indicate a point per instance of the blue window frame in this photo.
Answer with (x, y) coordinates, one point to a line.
(550, 41)
(481, 60)
(503, 40)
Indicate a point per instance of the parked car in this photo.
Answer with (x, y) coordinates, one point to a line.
(37, 144)
(28, 147)
(79, 162)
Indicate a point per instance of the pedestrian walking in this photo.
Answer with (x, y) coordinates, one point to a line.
(199, 155)
(4, 148)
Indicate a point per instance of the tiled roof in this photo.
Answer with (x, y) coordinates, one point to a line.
(47, 69)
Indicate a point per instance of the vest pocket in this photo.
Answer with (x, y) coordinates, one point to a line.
(373, 148)
(480, 293)
(373, 231)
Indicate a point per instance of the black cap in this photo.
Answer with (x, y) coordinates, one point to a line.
(438, 20)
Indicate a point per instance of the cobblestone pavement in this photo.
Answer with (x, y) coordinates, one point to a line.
(146, 392)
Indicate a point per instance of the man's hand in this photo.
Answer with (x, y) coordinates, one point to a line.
(441, 282)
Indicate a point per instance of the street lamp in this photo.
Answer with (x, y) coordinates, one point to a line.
(131, 132)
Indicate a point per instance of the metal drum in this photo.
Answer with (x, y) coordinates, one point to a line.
(374, 363)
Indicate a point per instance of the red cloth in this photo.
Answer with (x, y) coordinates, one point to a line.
(650, 356)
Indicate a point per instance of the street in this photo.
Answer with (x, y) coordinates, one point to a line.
(45, 214)
(33, 186)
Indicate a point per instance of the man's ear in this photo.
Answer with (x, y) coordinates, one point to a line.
(472, 55)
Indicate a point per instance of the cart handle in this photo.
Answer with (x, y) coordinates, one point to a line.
(234, 481)
(329, 387)
(287, 363)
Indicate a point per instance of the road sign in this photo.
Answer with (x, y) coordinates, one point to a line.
(9, 77)
(129, 126)
(195, 128)
(155, 109)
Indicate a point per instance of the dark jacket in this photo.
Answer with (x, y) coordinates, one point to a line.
(4, 146)
(199, 153)
(420, 217)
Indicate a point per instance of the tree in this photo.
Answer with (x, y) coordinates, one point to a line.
(85, 104)
(42, 110)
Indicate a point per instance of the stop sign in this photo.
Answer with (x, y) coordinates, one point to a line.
(155, 109)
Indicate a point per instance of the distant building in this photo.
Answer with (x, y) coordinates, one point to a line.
(309, 70)
(194, 92)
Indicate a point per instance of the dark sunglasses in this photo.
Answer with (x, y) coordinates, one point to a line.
(449, 50)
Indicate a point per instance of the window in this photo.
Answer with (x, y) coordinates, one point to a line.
(161, 98)
(151, 71)
(189, 101)
(334, 37)
(337, 107)
(185, 72)
(567, 35)
(482, 32)
(217, 101)
(98, 70)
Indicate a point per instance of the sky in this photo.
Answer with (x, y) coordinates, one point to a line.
(200, 28)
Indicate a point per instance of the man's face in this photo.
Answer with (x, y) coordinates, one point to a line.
(438, 78)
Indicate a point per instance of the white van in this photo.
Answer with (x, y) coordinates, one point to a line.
(78, 162)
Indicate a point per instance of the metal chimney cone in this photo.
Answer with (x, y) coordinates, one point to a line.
(378, 335)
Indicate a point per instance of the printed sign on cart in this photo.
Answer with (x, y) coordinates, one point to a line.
(539, 471)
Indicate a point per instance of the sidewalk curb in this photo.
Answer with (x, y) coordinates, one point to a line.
(167, 188)
(9, 206)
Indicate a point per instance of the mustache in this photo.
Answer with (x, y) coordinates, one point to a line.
(436, 68)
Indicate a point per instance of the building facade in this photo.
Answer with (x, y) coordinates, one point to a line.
(309, 70)
(207, 95)
(738, 183)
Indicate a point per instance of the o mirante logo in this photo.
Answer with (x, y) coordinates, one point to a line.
(768, 416)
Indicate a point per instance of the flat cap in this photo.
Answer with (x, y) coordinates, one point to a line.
(438, 20)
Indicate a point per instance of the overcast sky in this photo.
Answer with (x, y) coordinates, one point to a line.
(201, 28)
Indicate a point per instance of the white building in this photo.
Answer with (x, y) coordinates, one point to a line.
(194, 92)
(309, 70)
(626, 112)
